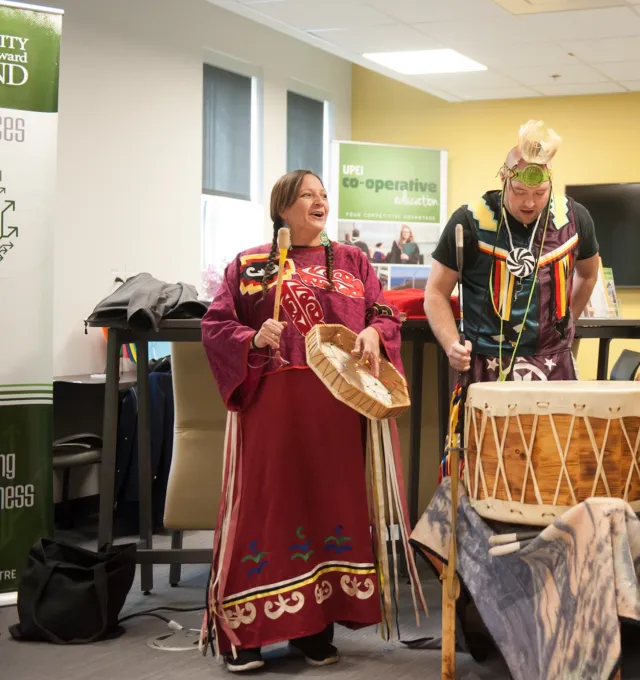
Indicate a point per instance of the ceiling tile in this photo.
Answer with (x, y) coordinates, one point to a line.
(585, 88)
(628, 70)
(569, 75)
(495, 93)
(537, 6)
(613, 22)
(478, 80)
(588, 48)
(417, 11)
(526, 55)
(465, 33)
(379, 39)
(605, 50)
(309, 15)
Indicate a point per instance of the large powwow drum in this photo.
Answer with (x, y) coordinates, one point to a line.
(349, 379)
(536, 449)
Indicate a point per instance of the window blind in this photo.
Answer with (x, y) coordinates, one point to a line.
(226, 134)
(305, 133)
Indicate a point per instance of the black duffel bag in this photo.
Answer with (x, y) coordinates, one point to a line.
(69, 595)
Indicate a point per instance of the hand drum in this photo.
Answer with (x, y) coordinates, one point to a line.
(349, 379)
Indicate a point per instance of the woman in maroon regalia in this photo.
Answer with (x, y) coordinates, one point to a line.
(293, 551)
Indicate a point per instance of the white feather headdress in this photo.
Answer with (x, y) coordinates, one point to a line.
(538, 144)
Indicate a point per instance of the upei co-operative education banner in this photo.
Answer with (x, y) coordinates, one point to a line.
(29, 69)
(385, 183)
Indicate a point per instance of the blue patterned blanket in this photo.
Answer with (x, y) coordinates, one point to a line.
(554, 607)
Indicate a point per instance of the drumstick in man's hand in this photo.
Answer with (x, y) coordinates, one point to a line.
(451, 584)
(460, 263)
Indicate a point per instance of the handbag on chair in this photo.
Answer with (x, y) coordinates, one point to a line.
(69, 595)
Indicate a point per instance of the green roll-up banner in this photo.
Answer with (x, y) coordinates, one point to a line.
(29, 69)
(386, 183)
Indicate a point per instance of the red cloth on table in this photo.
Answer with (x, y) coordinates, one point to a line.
(410, 302)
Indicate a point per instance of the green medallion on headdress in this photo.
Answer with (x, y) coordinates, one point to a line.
(531, 175)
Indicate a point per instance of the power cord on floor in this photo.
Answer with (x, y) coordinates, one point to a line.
(152, 612)
(190, 641)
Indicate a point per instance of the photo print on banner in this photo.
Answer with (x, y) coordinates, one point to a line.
(391, 205)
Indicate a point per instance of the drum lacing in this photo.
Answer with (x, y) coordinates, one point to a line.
(528, 448)
(563, 452)
(500, 445)
(599, 454)
(479, 470)
(634, 456)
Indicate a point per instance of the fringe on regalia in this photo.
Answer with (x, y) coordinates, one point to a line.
(389, 509)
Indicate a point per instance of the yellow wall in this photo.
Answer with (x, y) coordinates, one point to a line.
(601, 145)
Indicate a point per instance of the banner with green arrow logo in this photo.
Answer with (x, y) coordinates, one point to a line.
(29, 69)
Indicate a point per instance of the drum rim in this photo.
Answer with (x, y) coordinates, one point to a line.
(541, 386)
(532, 514)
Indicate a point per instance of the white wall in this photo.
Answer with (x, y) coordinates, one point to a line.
(130, 142)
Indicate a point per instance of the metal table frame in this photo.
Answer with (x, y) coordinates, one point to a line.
(171, 331)
(607, 330)
(418, 332)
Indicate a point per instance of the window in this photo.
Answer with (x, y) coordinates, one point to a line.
(226, 133)
(306, 138)
(232, 212)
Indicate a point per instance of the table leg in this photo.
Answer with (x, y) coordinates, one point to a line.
(144, 462)
(415, 430)
(175, 570)
(444, 397)
(603, 358)
(109, 440)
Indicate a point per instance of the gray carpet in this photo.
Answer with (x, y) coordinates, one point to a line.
(363, 654)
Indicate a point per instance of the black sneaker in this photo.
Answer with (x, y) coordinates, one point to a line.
(246, 660)
(316, 649)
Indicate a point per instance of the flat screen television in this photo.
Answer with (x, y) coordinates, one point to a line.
(615, 209)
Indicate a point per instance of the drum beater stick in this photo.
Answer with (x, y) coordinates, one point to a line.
(451, 585)
(284, 243)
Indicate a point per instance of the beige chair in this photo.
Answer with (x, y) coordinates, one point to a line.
(195, 479)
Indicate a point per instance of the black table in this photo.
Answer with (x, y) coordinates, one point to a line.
(417, 332)
(607, 330)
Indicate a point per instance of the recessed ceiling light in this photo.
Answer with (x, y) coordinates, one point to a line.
(423, 62)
